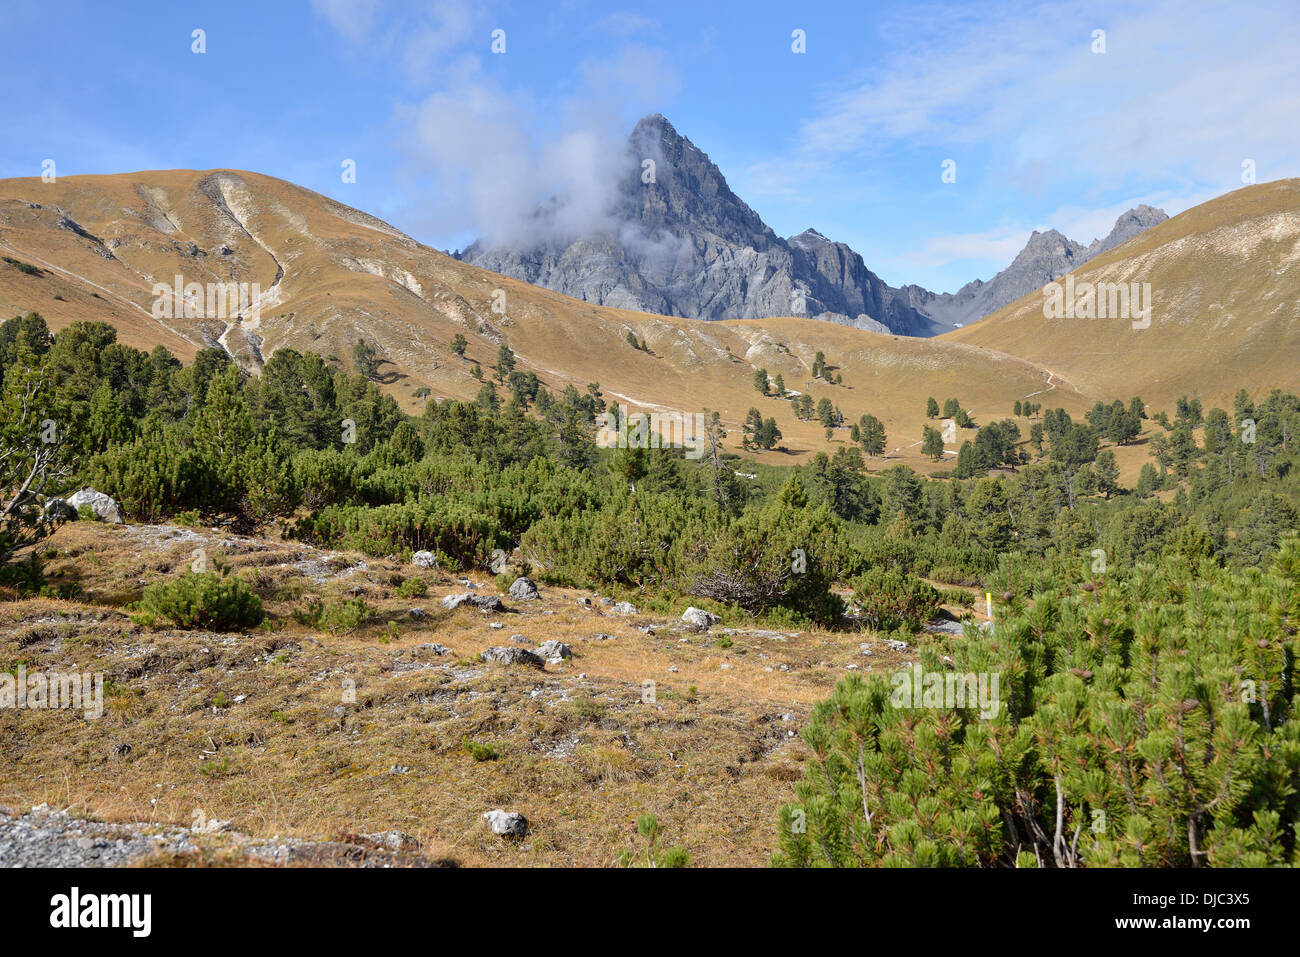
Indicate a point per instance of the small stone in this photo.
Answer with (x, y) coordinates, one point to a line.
(554, 650)
(523, 589)
(506, 823)
(625, 608)
(699, 618)
(424, 559)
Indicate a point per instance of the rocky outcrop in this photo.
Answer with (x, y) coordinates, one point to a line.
(514, 656)
(554, 650)
(482, 602)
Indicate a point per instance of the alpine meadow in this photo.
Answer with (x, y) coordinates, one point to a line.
(415, 453)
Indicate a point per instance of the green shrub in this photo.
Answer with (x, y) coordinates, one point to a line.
(413, 588)
(1149, 722)
(651, 855)
(342, 615)
(888, 600)
(479, 750)
(782, 555)
(208, 600)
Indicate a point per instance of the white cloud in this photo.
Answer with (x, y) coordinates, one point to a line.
(1184, 89)
(995, 245)
(489, 155)
(351, 18)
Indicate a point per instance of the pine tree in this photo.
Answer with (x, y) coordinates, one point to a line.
(769, 434)
(932, 443)
(825, 412)
(1107, 473)
(505, 363)
(931, 408)
(364, 359)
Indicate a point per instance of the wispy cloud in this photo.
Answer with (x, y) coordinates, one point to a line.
(477, 154)
(1183, 89)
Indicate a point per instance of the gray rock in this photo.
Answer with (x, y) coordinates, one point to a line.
(105, 509)
(1046, 257)
(554, 650)
(896, 645)
(625, 608)
(686, 245)
(424, 560)
(506, 823)
(583, 602)
(393, 840)
(429, 648)
(58, 510)
(482, 602)
(699, 618)
(514, 656)
(523, 589)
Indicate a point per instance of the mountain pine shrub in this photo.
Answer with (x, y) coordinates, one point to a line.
(1144, 720)
(209, 600)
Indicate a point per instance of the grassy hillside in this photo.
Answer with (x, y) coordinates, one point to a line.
(1225, 286)
(347, 275)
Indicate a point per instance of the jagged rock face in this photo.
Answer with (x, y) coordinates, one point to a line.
(1046, 257)
(686, 245)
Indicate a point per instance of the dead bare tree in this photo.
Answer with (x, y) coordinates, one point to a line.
(34, 454)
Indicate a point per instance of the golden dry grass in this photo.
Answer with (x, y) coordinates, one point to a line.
(253, 727)
(348, 275)
(1226, 308)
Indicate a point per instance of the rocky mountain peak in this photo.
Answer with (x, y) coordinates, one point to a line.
(677, 241)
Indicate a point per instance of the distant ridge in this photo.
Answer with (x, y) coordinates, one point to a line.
(686, 245)
(1047, 256)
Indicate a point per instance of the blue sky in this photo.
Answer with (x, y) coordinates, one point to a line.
(452, 140)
